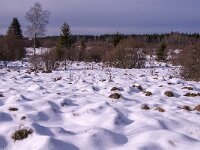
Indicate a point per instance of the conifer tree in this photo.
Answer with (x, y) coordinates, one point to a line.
(65, 37)
(117, 38)
(66, 42)
(15, 29)
(161, 52)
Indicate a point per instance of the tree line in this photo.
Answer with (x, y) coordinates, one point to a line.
(118, 50)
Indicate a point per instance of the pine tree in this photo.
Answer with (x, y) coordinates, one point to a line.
(65, 37)
(15, 29)
(117, 38)
(161, 52)
(66, 43)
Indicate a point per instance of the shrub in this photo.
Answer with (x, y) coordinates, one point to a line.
(189, 59)
(11, 48)
(127, 54)
(49, 59)
(161, 52)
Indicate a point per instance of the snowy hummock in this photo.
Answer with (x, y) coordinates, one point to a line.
(76, 113)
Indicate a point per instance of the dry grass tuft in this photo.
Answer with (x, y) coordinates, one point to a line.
(185, 107)
(159, 109)
(57, 79)
(139, 87)
(148, 93)
(13, 109)
(23, 118)
(192, 94)
(21, 134)
(188, 88)
(197, 108)
(115, 96)
(169, 93)
(145, 107)
(115, 89)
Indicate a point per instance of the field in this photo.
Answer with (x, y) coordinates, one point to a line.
(74, 109)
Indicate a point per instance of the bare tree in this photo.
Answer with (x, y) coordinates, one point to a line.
(38, 19)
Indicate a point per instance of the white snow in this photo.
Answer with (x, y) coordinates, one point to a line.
(79, 115)
(38, 51)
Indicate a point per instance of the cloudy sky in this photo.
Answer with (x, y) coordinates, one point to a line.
(109, 16)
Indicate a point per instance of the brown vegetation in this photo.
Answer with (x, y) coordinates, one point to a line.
(192, 94)
(185, 107)
(115, 96)
(145, 107)
(13, 109)
(148, 93)
(169, 93)
(160, 109)
(21, 134)
(116, 89)
(197, 108)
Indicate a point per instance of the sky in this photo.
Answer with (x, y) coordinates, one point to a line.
(109, 16)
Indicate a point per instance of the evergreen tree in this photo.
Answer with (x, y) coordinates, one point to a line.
(117, 38)
(65, 37)
(15, 29)
(65, 43)
(161, 52)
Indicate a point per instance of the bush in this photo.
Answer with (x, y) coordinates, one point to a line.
(96, 50)
(161, 52)
(189, 59)
(11, 48)
(127, 54)
(49, 58)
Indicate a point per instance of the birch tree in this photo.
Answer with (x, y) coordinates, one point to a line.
(38, 19)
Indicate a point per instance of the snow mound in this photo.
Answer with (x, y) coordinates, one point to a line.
(76, 112)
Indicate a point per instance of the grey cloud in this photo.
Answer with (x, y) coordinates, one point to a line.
(108, 16)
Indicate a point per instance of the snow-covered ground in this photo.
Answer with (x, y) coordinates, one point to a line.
(76, 113)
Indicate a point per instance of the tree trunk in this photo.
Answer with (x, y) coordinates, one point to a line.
(6, 64)
(34, 45)
(65, 64)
